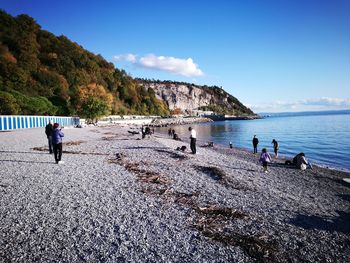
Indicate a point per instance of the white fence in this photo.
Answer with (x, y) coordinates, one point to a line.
(14, 122)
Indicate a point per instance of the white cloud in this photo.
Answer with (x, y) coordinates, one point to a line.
(178, 66)
(126, 57)
(324, 103)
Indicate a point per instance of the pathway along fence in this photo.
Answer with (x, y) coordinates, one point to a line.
(14, 122)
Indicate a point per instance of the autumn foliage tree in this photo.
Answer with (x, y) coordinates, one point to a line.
(39, 69)
(94, 101)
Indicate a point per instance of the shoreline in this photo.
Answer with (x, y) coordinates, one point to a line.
(281, 156)
(121, 198)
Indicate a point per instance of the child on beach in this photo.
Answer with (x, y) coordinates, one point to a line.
(265, 158)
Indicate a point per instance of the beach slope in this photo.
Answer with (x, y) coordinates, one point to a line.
(118, 198)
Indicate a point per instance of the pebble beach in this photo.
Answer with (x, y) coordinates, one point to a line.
(120, 198)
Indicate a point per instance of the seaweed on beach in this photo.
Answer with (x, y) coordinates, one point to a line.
(150, 177)
(212, 221)
(221, 211)
(186, 199)
(44, 149)
(143, 175)
(255, 247)
(154, 191)
(219, 175)
(110, 138)
(40, 149)
(73, 143)
(84, 153)
(173, 154)
(109, 133)
(212, 171)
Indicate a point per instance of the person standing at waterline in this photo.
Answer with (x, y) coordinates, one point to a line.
(57, 135)
(193, 138)
(275, 147)
(255, 144)
(48, 132)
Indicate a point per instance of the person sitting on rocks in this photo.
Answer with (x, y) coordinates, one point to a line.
(300, 161)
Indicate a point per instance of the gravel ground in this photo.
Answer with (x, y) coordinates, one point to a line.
(121, 199)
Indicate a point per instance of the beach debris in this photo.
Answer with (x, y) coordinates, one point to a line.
(219, 175)
(213, 172)
(153, 178)
(119, 156)
(214, 210)
(154, 191)
(143, 175)
(188, 199)
(108, 138)
(256, 248)
(215, 222)
(73, 143)
(109, 133)
(40, 149)
(208, 144)
(45, 149)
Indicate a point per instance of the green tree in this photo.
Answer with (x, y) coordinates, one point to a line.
(93, 108)
(8, 104)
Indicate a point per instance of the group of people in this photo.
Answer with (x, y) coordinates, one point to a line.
(275, 144)
(54, 136)
(193, 138)
(146, 130)
(298, 161)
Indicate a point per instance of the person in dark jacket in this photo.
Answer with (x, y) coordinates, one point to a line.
(275, 147)
(57, 135)
(48, 132)
(255, 144)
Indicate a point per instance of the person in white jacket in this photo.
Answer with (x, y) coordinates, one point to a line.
(193, 138)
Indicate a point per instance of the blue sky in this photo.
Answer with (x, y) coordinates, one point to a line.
(273, 55)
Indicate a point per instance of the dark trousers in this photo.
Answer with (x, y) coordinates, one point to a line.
(57, 151)
(255, 148)
(193, 145)
(264, 164)
(49, 139)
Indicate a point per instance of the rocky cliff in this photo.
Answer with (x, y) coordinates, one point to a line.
(190, 97)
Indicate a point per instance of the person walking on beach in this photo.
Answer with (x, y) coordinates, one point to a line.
(48, 132)
(275, 147)
(193, 138)
(255, 144)
(264, 159)
(170, 132)
(57, 135)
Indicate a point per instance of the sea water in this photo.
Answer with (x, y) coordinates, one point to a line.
(325, 139)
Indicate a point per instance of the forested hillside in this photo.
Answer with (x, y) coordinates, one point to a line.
(43, 74)
(48, 75)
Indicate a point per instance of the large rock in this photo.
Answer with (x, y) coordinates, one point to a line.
(189, 97)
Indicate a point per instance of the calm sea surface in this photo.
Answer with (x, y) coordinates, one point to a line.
(325, 139)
